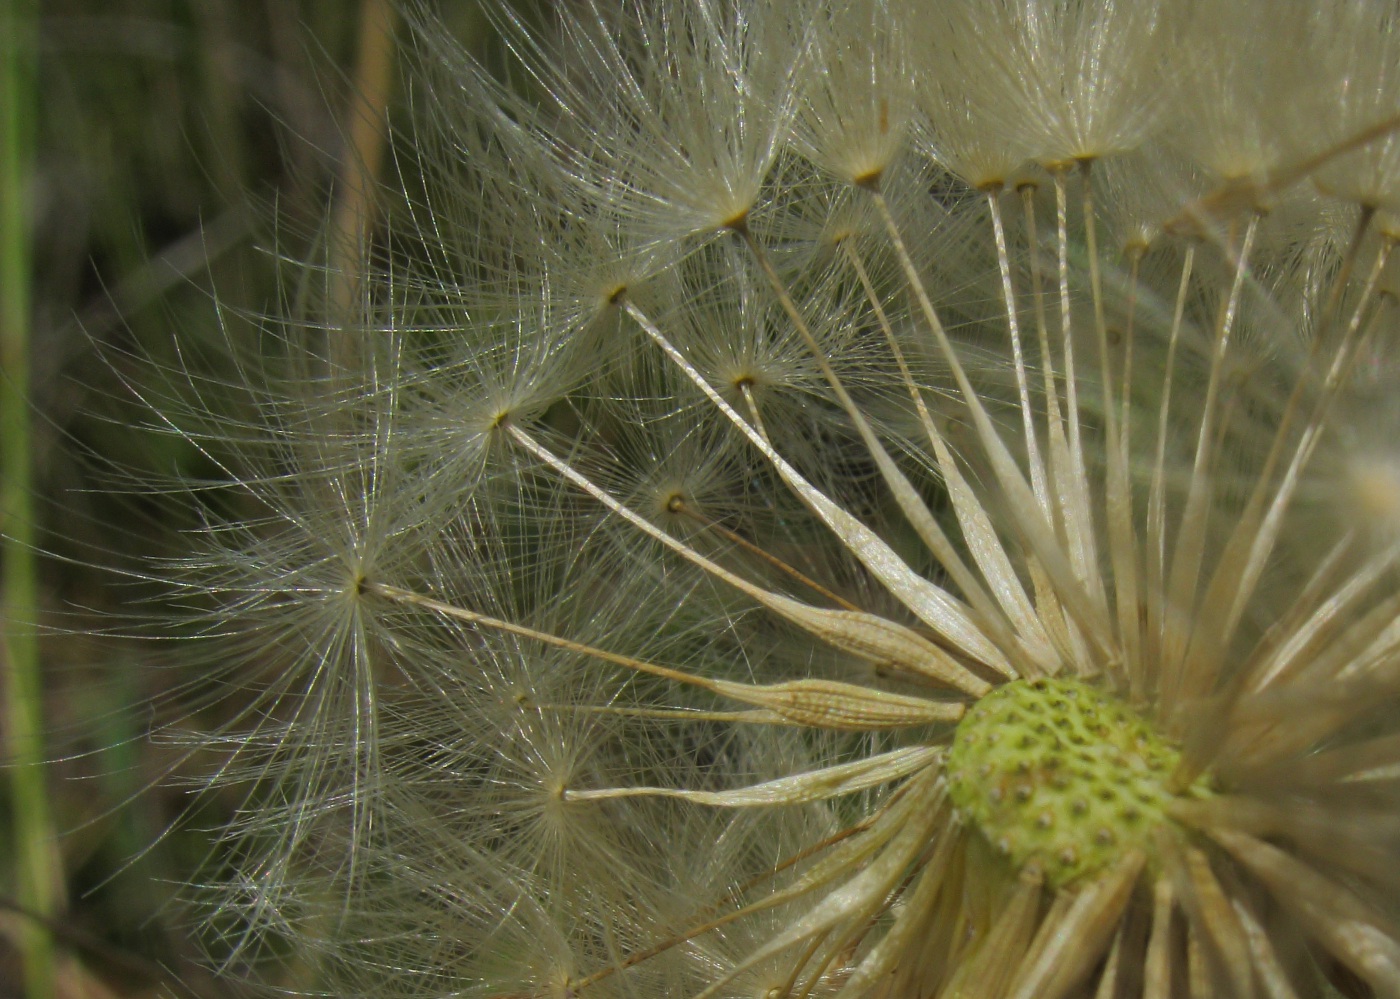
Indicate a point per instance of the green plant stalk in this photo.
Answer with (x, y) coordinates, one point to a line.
(36, 873)
(352, 216)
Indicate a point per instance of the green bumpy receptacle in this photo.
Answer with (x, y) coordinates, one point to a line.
(1059, 773)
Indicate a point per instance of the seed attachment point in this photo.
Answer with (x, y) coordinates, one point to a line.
(1007, 774)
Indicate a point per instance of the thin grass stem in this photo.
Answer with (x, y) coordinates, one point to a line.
(38, 872)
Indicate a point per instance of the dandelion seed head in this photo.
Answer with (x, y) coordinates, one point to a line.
(816, 561)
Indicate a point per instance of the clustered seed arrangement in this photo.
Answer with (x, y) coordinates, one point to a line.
(870, 498)
(1061, 775)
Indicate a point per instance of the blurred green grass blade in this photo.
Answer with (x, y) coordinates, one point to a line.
(36, 875)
